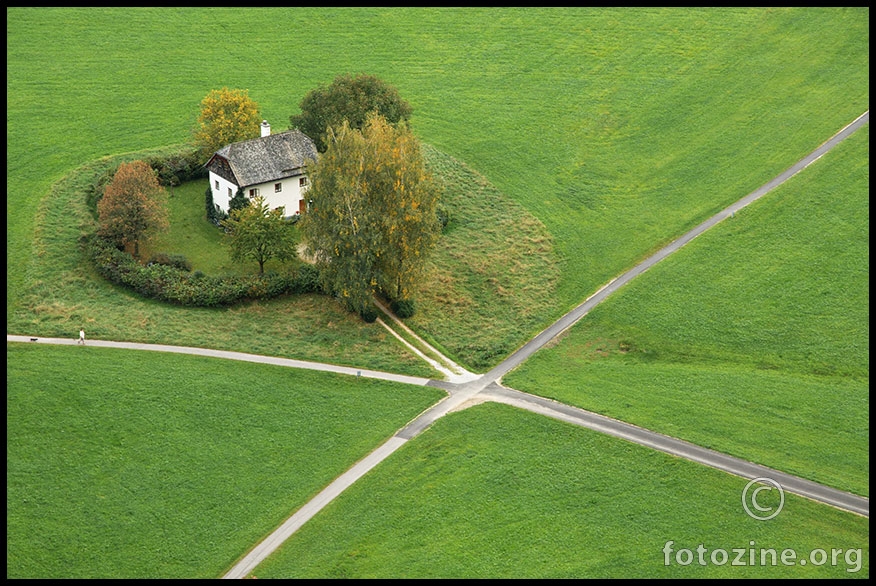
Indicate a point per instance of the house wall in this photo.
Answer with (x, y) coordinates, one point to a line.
(289, 196)
(220, 192)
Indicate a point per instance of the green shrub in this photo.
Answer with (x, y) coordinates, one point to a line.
(238, 202)
(177, 167)
(214, 213)
(168, 282)
(171, 260)
(403, 308)
(368, 314)
(306, 280)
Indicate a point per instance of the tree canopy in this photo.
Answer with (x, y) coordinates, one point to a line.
(133, 206)
(226, 116)
(349, 98)
(372, 223)
(259, 234)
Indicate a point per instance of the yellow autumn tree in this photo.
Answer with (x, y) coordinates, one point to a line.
(373, 222)
(227, 115)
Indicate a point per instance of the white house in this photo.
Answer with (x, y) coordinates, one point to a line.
(273, 166)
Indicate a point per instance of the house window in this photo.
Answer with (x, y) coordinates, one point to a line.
(229, 193)
(278, 187)
(217, 184)
(254, 192)
(302, 182)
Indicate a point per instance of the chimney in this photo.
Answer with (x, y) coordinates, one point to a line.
(266, 128)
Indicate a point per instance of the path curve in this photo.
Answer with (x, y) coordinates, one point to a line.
(487, 387)
(230, 355)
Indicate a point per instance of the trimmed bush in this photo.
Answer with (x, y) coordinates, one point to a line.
(368, 314)
(169, 282)
(171, 260)
(403, 308)
(307, 280)
(177, 167)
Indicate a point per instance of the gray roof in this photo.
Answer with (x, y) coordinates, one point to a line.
(268, 158)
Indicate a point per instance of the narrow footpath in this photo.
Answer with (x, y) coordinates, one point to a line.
(465, 388)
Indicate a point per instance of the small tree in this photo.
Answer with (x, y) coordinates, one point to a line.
(259, 234)
(238, 202)
(352, 99)
(226, 116)
(133, 206)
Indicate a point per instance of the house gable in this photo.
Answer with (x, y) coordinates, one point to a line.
(221, 167)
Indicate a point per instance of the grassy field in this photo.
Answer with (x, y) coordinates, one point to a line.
(763, 323)
(479, 248)
(148, 465)
(598, 134)
(616, 128)
(491, 492)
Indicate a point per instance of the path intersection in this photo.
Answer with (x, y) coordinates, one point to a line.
(465, 388)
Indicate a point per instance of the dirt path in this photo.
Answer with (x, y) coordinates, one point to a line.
(465, 388)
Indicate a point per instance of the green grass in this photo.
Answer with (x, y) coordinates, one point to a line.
(149, 465)
(492, 492)
(66, 293)
(616, 128)
(492, 279)
(761, 323)
(192, 236)
(619, 128)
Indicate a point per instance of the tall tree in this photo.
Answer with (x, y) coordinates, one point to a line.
(259, 234)
(373, 222)
(133, 206)
(226, 116)
(349, 98)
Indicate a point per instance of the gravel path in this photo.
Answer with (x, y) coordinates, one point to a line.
(466, 388)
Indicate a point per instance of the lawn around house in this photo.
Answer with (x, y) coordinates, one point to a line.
(614, 129)
(481, 247)
(202, 243)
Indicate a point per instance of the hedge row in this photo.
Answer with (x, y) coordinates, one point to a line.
(172, 284)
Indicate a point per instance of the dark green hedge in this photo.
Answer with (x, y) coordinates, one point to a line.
(172, 284)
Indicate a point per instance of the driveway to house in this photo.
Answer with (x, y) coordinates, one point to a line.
(487, 387)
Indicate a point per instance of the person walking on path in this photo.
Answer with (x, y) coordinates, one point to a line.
(81, 337)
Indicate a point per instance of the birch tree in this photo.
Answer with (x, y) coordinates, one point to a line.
(372, 223)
